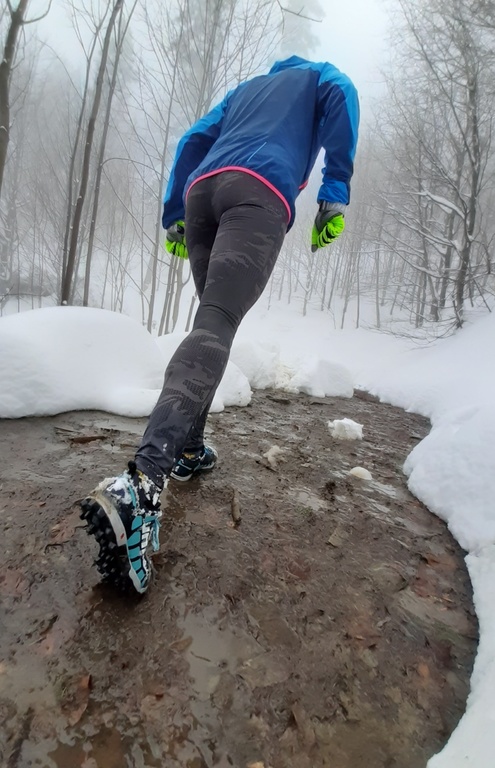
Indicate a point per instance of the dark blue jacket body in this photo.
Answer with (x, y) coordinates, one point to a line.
(273, 127)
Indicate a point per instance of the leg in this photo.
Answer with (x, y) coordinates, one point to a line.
(201, 229)
(252, 226)
(123, 512)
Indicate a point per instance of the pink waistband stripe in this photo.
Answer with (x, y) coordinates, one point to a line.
(251, 173)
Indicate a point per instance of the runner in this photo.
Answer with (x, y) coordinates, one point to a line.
(228, 205)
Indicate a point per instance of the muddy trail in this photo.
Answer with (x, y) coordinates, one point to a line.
(332, 626)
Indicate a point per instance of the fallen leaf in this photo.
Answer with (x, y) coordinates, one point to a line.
(423, 670)
(13, 583)
(181, 645)
(76, 698)
(87, 438)
(90, 762)
(306, 731)
(443, 562)
(64, 530)
(299, 568)
(338, 537)
(264, 670)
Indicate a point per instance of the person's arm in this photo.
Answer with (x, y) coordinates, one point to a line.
(338, 108)
(191, 150)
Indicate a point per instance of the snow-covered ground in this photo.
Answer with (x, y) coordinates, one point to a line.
(68, 358)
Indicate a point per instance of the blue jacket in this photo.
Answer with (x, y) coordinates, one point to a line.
(273, 127)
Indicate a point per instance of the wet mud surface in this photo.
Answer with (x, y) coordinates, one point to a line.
(333, 626)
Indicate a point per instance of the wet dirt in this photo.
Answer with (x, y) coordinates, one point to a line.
(333, 626)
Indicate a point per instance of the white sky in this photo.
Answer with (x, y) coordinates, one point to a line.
(352, 34)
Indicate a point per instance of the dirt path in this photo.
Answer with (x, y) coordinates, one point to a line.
(332, 627)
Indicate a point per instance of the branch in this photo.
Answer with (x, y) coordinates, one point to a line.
(445, 204)
(39, 18)
(297, 13)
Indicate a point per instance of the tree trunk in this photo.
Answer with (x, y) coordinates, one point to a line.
(190, 313)
(76, 221)
(101, 160)
(6, 65)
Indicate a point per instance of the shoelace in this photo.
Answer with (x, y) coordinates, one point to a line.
(154, 522)
(131, 471)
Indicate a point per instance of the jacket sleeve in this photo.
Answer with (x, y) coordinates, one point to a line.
(191, 150)
(338, 110)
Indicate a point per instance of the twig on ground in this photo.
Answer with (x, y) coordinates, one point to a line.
(235, 507)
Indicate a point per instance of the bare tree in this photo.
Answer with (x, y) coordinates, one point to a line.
(120, 37)
(438, 135)
(88, 148)
(17, 22)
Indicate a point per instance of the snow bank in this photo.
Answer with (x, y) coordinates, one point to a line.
(234, 389)
(472, 745)
(453, 472)
(258, 361)
(321, 378)
(453, 469)
(66, 358)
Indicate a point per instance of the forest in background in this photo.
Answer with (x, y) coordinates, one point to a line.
(87, 142)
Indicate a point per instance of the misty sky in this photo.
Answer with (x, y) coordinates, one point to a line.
(353, 36)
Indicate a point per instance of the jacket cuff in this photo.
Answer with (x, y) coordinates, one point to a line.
(326, 207)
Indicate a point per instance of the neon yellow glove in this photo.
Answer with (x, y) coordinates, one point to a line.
(175, 242)
(329, 225)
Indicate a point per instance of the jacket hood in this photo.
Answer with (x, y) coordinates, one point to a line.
(291, 62)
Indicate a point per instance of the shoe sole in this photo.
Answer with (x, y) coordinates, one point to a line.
(193, 474)
(113, 561)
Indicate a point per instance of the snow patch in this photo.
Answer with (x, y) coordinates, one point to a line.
(346, 429)
(66, 358)
(234, 389)
(274, 455)
(361, 472)
(257, 361)
(322, 378)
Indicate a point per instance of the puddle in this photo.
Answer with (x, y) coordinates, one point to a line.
(25, 681)
(392, 492)
(309, 500)
(106, 749)
(214, 648)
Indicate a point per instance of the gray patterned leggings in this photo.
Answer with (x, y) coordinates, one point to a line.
(235, 227)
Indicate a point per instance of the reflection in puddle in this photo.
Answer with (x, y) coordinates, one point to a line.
(106, 749)
(213, 649)
(213, 653)
(312, 501)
